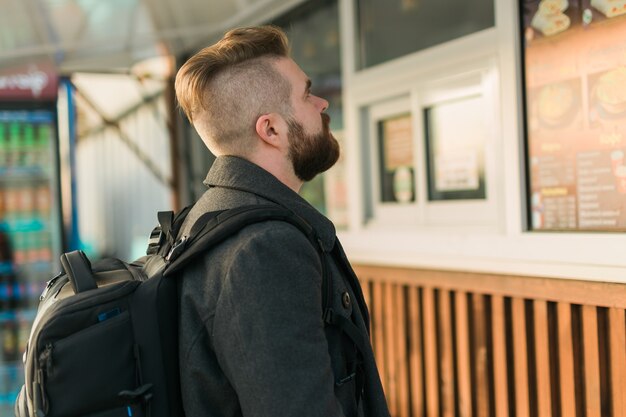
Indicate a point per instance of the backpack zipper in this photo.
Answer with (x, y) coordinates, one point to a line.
(45, 359)
(49, 285)
(45, 365)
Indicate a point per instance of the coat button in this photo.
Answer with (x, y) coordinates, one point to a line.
(345, 299)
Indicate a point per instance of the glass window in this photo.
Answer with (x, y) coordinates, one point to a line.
(389, 29)
(455, 145)
(313, 32)
(395, 144)
(575, 103)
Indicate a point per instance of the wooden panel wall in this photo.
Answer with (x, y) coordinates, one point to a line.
(461, 344)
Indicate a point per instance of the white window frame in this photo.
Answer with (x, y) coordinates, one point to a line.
(464, 213)
(507, 249)
(426, 92)
(389, 213)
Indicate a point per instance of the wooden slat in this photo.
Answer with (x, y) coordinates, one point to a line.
(542, 355)
(522, 405)
(415, 353)
(365, 287)
(401, 352)
(378, 336)
(430, 353)
(481, 367)
(391, 346)
(463, 355)
(446, 354)
(390, 360)
(566, 360)
(549, 289)
(592, 361)
(499, 357)
(617, 329)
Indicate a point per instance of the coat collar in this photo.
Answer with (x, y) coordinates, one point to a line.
(240, 174)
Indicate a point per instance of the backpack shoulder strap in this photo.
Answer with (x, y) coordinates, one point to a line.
(164, 235)
(212, 228)
(78, 269)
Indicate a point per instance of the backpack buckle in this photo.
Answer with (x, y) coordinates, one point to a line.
(155, 241)
(177, 249)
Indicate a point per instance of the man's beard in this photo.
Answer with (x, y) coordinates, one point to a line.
(312, 154)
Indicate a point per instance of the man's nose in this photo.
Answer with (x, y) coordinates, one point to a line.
(322, 104)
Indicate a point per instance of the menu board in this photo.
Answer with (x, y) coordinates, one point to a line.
(575, 85)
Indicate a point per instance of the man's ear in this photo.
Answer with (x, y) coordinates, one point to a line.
(271, 128)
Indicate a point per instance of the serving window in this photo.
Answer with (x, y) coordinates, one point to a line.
(432, 154)
(575, 103)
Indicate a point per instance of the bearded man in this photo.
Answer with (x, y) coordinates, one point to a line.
(253, 337)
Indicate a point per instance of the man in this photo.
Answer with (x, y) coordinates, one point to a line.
(253, 340)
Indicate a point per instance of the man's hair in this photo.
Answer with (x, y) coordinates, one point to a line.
(224, 88)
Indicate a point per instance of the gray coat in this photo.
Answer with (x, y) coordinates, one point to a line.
(252, 339)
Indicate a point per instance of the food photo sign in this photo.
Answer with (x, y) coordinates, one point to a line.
(575, 113)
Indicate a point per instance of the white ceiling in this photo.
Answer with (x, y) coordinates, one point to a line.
(113, 35)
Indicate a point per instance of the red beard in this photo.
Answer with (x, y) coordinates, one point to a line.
(312, 154)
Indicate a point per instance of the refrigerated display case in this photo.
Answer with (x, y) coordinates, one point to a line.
(30, 230)
(31, 236)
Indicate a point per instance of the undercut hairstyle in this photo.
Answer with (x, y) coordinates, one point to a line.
(224, 88)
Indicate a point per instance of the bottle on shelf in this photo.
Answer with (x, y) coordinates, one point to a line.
(28, 147)
(2, 204)
(4, 146)
(44, 158)
(10, 204)
(7, 274)
(32, 247)
(10, 351)
(45, 249)
(43, 201)
(19, 245)
(26, 201)
(8, 327)
(14, 151)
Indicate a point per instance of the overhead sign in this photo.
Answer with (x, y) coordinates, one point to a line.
(29, 82)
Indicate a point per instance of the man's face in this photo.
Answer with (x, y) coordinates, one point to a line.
(312, 147)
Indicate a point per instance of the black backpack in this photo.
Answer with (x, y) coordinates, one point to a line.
(104, 342)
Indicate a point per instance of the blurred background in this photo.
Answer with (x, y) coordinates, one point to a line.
(481, 193)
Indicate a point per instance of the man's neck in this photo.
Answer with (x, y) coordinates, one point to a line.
(282, 170)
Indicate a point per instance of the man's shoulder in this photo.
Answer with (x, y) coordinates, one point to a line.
(218, 199)
(278, 234)
(266, 238)
(260, 257)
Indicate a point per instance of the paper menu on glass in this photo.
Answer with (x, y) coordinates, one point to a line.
(396, 147)
(397, 142)
(456, 138)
